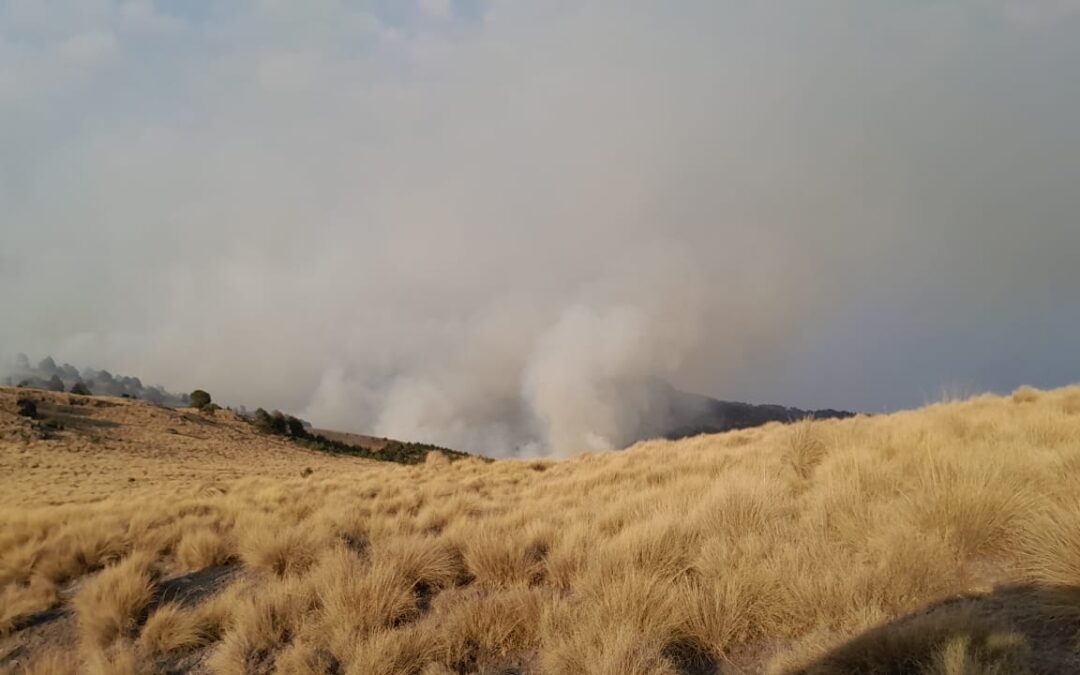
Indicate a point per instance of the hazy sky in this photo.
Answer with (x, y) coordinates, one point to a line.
(487, 223)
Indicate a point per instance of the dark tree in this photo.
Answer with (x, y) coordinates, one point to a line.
(55, 384)
(296, 427)
(199, 399)
(276, 423)
(47, 365)
(130, 383)
(80, 388)
(262, 421)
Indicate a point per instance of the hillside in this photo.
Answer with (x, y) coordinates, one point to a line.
(680, 414)
(87, 448)
(944, 540)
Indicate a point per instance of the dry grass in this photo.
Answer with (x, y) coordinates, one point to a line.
(109, 605)
(765, 550)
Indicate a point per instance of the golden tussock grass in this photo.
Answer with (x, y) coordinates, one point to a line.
(940, 541)
(52, 662)
(203, 548)
(173, 627)
(109, 605)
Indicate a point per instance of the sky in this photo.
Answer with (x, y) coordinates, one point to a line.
(492, 224)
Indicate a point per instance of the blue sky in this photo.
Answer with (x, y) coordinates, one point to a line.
(486, 224)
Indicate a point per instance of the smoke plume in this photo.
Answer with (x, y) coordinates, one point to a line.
(501, 226)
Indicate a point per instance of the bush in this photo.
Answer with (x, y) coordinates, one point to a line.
(296, 427)
(210, 408)
(199, 399)
(80, 388)
(55, 384)
(27, 407)
(270, 424)
(279, 424)
(261, 421)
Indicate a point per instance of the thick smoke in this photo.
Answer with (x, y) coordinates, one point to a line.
(504, 227)
(534, 376)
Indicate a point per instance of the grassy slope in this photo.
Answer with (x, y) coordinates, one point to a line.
(108, 447)
(772, 549)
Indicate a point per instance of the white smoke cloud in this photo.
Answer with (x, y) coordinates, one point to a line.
(494, 226)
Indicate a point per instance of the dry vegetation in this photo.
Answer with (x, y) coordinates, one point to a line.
(945, 541)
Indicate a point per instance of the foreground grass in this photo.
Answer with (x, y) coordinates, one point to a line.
(819, 547)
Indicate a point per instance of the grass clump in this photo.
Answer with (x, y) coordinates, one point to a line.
(110, 606)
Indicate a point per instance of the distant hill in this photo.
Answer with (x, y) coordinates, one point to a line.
(692, 414)
(670, 413)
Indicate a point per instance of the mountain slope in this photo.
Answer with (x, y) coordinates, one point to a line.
(943, 540)
(684, 414)
(87, 448)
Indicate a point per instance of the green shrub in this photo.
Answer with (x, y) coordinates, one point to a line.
(280, 424)
(199, 399)
(270, 423)
(295, 427)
